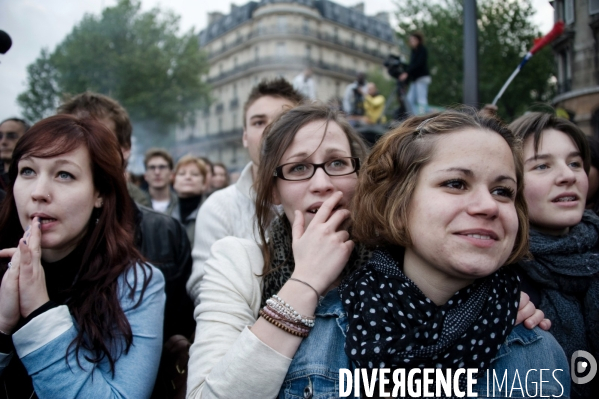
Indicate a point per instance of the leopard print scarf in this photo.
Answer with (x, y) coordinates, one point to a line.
(282, 263)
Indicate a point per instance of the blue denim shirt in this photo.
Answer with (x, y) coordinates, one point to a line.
(314, 371)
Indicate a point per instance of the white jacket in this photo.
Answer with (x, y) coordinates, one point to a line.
(226, 359)
(227, 212)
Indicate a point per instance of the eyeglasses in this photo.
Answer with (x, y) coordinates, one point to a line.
(9, 136)
(305, 170)
(158, 167)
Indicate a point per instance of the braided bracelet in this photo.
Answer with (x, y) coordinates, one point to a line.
(291, 324)
(282, 326)
(277, 310)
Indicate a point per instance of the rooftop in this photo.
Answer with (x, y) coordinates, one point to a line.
(352, 17)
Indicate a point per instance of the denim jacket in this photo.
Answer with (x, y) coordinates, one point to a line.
(314, 371)
(518, 364)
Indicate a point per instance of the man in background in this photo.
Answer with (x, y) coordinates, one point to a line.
(231, 211)
(159, 169)
(114, 117)
(353, 99)
(11, 130)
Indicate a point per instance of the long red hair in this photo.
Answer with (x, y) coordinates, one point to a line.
(109, 249)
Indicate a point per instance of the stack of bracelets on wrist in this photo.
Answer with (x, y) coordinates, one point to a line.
(281, 314)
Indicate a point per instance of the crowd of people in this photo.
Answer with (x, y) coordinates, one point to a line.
(440, 247)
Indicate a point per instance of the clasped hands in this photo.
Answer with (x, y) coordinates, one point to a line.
(23, 288)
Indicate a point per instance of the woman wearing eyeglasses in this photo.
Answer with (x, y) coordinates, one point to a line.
(310, 161)
(257, 305)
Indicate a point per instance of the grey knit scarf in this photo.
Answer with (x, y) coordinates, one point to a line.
(566, 270)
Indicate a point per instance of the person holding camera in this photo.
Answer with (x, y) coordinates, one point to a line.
(418, 74)
(353, 99)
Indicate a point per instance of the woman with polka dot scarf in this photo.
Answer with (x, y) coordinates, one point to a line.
(245, 343)
(440, 200)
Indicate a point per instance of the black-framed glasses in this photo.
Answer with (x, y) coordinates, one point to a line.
(305, 170)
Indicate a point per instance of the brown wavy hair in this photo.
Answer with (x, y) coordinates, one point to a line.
(108, 251)
(388, 178)
(277, 137)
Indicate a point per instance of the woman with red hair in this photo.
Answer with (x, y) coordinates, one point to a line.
(80, 313)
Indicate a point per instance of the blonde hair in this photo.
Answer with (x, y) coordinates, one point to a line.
(190, 159)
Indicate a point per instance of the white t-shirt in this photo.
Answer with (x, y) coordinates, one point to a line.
(160, 206)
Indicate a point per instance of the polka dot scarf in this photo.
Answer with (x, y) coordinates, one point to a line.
(392, 324)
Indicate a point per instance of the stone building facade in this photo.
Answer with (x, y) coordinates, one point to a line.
(577, 58)
(272, 38)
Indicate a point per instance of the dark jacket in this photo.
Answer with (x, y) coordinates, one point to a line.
(418, 66)
(4, 181)
(140, 196)
(163, 242)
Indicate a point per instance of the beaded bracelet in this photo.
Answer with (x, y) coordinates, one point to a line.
(282, 326)
(282, 316)
(291, 318)
(284, 308)
(294, 325)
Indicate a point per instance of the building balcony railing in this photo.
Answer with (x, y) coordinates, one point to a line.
(286, 30)
(282, 60)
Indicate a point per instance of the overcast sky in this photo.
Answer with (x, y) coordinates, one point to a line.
(37, 24)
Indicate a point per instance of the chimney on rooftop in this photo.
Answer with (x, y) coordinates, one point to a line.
(214, 16)
(359, 7)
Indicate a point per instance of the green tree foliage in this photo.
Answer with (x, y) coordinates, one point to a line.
(505, 34)
(42, 96)
(135, 57)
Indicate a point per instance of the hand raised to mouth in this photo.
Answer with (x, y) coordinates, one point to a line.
(322, 250)
(32, 281)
